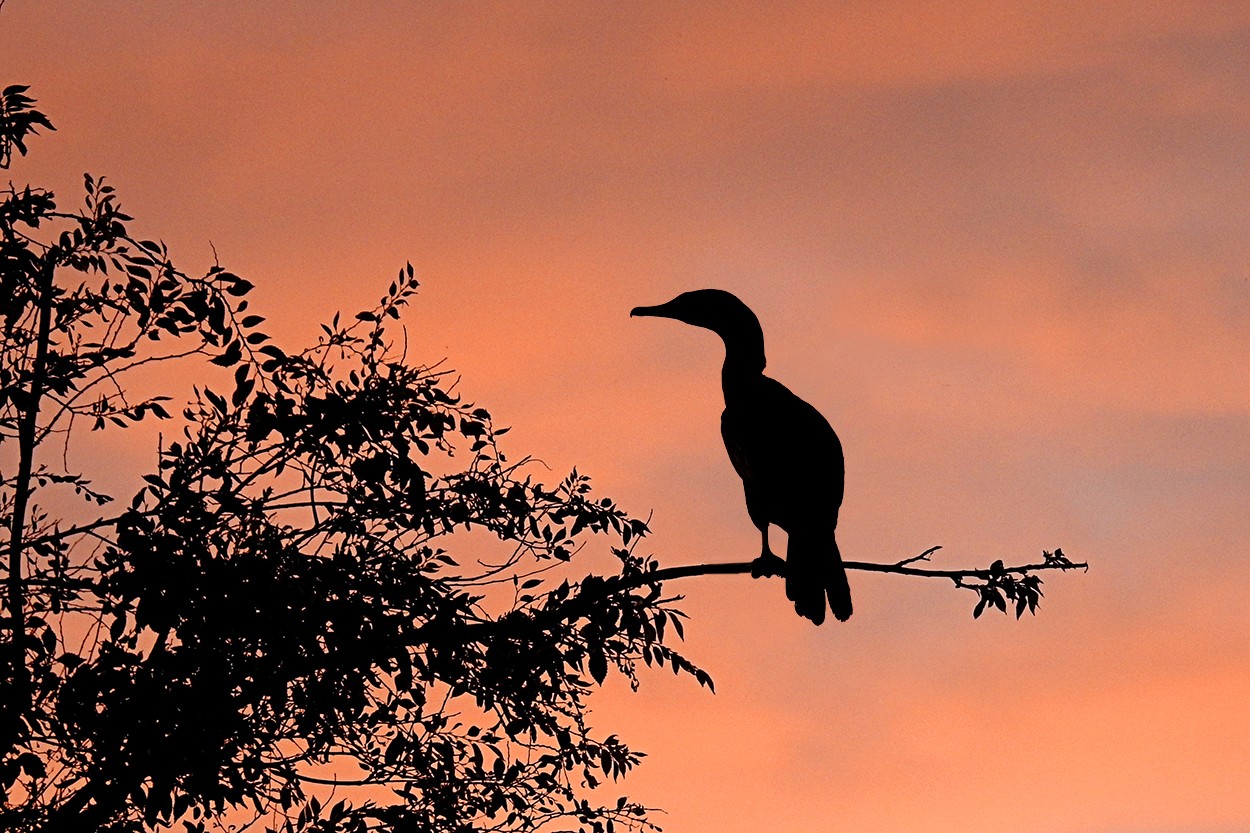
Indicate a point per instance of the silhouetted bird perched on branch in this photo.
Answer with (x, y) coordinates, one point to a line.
(789, 459)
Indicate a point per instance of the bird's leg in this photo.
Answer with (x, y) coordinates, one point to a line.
(767, 564)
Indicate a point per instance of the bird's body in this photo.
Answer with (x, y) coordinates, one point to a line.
(789, 458)
(791, 465)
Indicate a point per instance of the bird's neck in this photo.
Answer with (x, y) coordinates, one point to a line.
(744, 360)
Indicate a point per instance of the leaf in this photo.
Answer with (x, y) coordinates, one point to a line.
(70, 661)
(239, 287)
(598, 664)
(234, 352)
(218, 401)
(242, 391)
(32, 764)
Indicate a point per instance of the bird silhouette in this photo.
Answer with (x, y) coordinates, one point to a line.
(789, 458)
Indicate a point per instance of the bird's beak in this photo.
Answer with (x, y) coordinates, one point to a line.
(659, 311)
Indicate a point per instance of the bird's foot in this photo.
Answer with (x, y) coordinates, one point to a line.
(768, 565)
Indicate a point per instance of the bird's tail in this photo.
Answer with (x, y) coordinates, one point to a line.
(814, 572)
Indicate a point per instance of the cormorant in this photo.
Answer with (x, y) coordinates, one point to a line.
(789, 458)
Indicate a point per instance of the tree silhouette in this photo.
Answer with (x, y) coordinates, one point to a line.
(275, 627)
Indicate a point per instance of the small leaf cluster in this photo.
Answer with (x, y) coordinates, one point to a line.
(18, 119)
(1000, 588)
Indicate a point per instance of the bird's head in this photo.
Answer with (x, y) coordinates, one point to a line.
(713, 309)
(722, 313)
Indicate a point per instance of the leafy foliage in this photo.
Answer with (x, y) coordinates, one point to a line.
(333, 581)
(18, 119)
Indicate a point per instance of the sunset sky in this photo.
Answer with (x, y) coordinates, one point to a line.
(1003, 246)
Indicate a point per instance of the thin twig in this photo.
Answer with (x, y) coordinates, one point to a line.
(924, 556)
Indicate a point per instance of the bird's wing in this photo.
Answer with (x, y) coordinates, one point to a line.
(773, 437)
(737, 443)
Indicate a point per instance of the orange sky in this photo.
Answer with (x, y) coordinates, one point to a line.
(1005, 250)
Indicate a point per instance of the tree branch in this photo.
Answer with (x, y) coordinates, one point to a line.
(1057, 561)
(19, 674)
(995, 578)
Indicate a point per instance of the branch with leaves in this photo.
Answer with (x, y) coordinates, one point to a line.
(995, 585)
